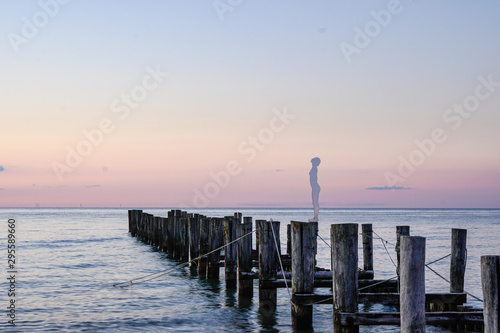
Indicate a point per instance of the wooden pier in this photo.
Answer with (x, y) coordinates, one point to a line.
(209, 243)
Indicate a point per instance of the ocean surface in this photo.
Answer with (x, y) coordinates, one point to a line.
(67, 261)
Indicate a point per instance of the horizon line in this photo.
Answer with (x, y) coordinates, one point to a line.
(246, 208)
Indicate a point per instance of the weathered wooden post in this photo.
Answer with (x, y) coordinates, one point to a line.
(157, 232)
(238, 218)
(204, 246)
(401, 230)
(138, 230)
(230, 252)
(245, 280)
(144, 220)
(303, 263)
(136, 218)
(412, 288)
(131, 221)
(145, 227)
(458, 260)
(344, 239)
(183, 239)
(150, 228)
(289, 239)
(170, 232)
(490, 280)
(194, 238)
(164, 240)
(215, 241)
(175, 236)
(268, 264)
(257, 238)
(367, 236)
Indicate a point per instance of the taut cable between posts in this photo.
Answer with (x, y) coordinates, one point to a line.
(385, 247)
(448, 281)
(159, 274)
(377, 283)
(323, 240)
(281, 263)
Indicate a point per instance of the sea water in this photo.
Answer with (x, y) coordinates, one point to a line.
(67, 261)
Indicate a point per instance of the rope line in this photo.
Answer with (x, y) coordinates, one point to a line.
(324, 240)
(377, 283)
(385, 247)
(378, 237)
(159, 274)
(442, 277)
(372, 285)
(281, 263)
(432, 262)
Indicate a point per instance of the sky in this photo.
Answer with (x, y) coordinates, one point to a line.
(224, 103)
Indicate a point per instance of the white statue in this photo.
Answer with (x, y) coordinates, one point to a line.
(313, 178)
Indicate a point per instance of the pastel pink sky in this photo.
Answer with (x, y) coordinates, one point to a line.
(264, 90)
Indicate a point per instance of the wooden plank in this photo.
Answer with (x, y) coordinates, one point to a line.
(382, 298)
(393, 318)
(280, 283)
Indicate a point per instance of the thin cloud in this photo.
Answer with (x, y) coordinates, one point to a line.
(365, 204)
(2, 189)
(1, 168)
(389, 188)
(91, 186)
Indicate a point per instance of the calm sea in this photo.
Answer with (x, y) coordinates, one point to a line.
(68, 260)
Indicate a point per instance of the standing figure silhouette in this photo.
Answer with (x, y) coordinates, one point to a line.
(313, 178)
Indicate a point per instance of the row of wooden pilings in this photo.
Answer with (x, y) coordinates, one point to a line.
(200, 239)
